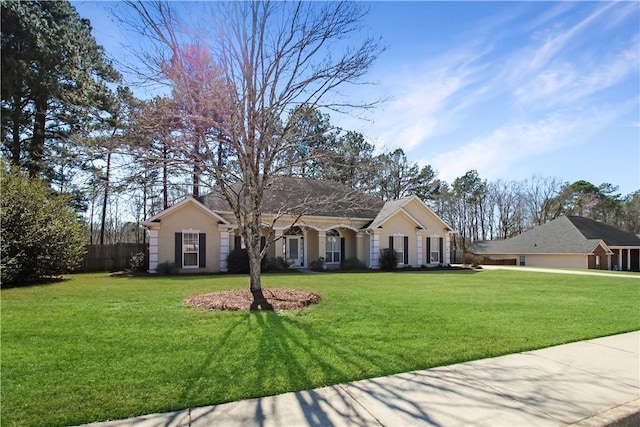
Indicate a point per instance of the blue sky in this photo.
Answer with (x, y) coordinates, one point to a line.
(510, 89)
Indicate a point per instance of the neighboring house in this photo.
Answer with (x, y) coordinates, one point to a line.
(567, 241)
(310, 219)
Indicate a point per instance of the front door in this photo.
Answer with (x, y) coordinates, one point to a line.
(294, 251)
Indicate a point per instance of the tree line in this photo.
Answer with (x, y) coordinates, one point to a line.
(68, 120)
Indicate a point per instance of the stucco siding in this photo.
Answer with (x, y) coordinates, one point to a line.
(190, 217)
(556, 261)
(400, 225)
(312, 245)
(420, 213)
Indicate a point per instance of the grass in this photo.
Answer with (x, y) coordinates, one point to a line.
(96, 347)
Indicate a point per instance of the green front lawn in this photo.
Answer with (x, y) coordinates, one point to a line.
(96, 347)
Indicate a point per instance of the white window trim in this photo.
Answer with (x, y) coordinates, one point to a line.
(337, 242)
(434, 243)
(399, 253)
(197, 251)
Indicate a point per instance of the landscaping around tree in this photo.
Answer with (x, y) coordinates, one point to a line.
(97, 347)
(241, 299)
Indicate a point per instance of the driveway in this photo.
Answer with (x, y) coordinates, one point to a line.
(622, 274)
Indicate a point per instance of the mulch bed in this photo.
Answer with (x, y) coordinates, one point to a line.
(242, 299)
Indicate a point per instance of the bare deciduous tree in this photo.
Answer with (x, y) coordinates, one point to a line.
(539, 194)
(268, 59)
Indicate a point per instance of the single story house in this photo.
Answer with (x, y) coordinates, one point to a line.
(310, 219)
(567, 241)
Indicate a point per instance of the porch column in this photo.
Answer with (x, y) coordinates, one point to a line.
(278, 243)
(322, 243)
(420, 237)
(374, 251)
(447, 248)
(360, 248)
(224, 247)
(629, 259)
(153, 251)
(305, 245)
(619, 259)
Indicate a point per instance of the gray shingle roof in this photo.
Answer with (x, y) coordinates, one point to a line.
(564, 235)
(612, 236)
(309, 197)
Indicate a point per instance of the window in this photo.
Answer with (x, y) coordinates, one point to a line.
(401, 245)
(190, 250)
(332, 254)
(434, 255)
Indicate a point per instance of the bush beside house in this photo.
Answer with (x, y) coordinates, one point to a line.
(41, 234)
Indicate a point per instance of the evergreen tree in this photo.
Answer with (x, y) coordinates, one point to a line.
(41, 234)
(53, 72)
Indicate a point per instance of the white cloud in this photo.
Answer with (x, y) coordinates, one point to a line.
(545, 93)
(569, 82)
(495, 154)
(426, 96)
(412, 117)
(558, 41)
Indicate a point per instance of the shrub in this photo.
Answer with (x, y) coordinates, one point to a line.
(317, 265)
(238, 261)
(167, 268)
(41, 234)
(352, 264)
(136, 263)
(274, 264)
(471, 259)
(388, 259)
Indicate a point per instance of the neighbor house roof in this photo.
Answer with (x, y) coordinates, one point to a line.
(612, 236)
(301, 196)
(563, 235)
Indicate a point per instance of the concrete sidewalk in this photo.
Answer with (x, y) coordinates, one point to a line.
(587, 383)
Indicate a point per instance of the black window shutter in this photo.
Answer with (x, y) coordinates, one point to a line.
(237, 243)
(342, 246)
(391, 242)
(428, 249)
(202, 248)
(441, 250)
(178, 254)
(406, 250)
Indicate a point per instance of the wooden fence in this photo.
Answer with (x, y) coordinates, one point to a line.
(113, 257)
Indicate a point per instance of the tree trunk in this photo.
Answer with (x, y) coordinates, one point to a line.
(255, 282)
(165, 176)
(196, 161)
(36, 149)
(103, 223)
(16, 147)
(251, 235)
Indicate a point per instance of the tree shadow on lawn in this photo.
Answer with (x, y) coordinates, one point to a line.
(286, 360)
(288, 355)
(43, 281)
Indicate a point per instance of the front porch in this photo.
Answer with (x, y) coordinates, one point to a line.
(302, 245)
(625, 258)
